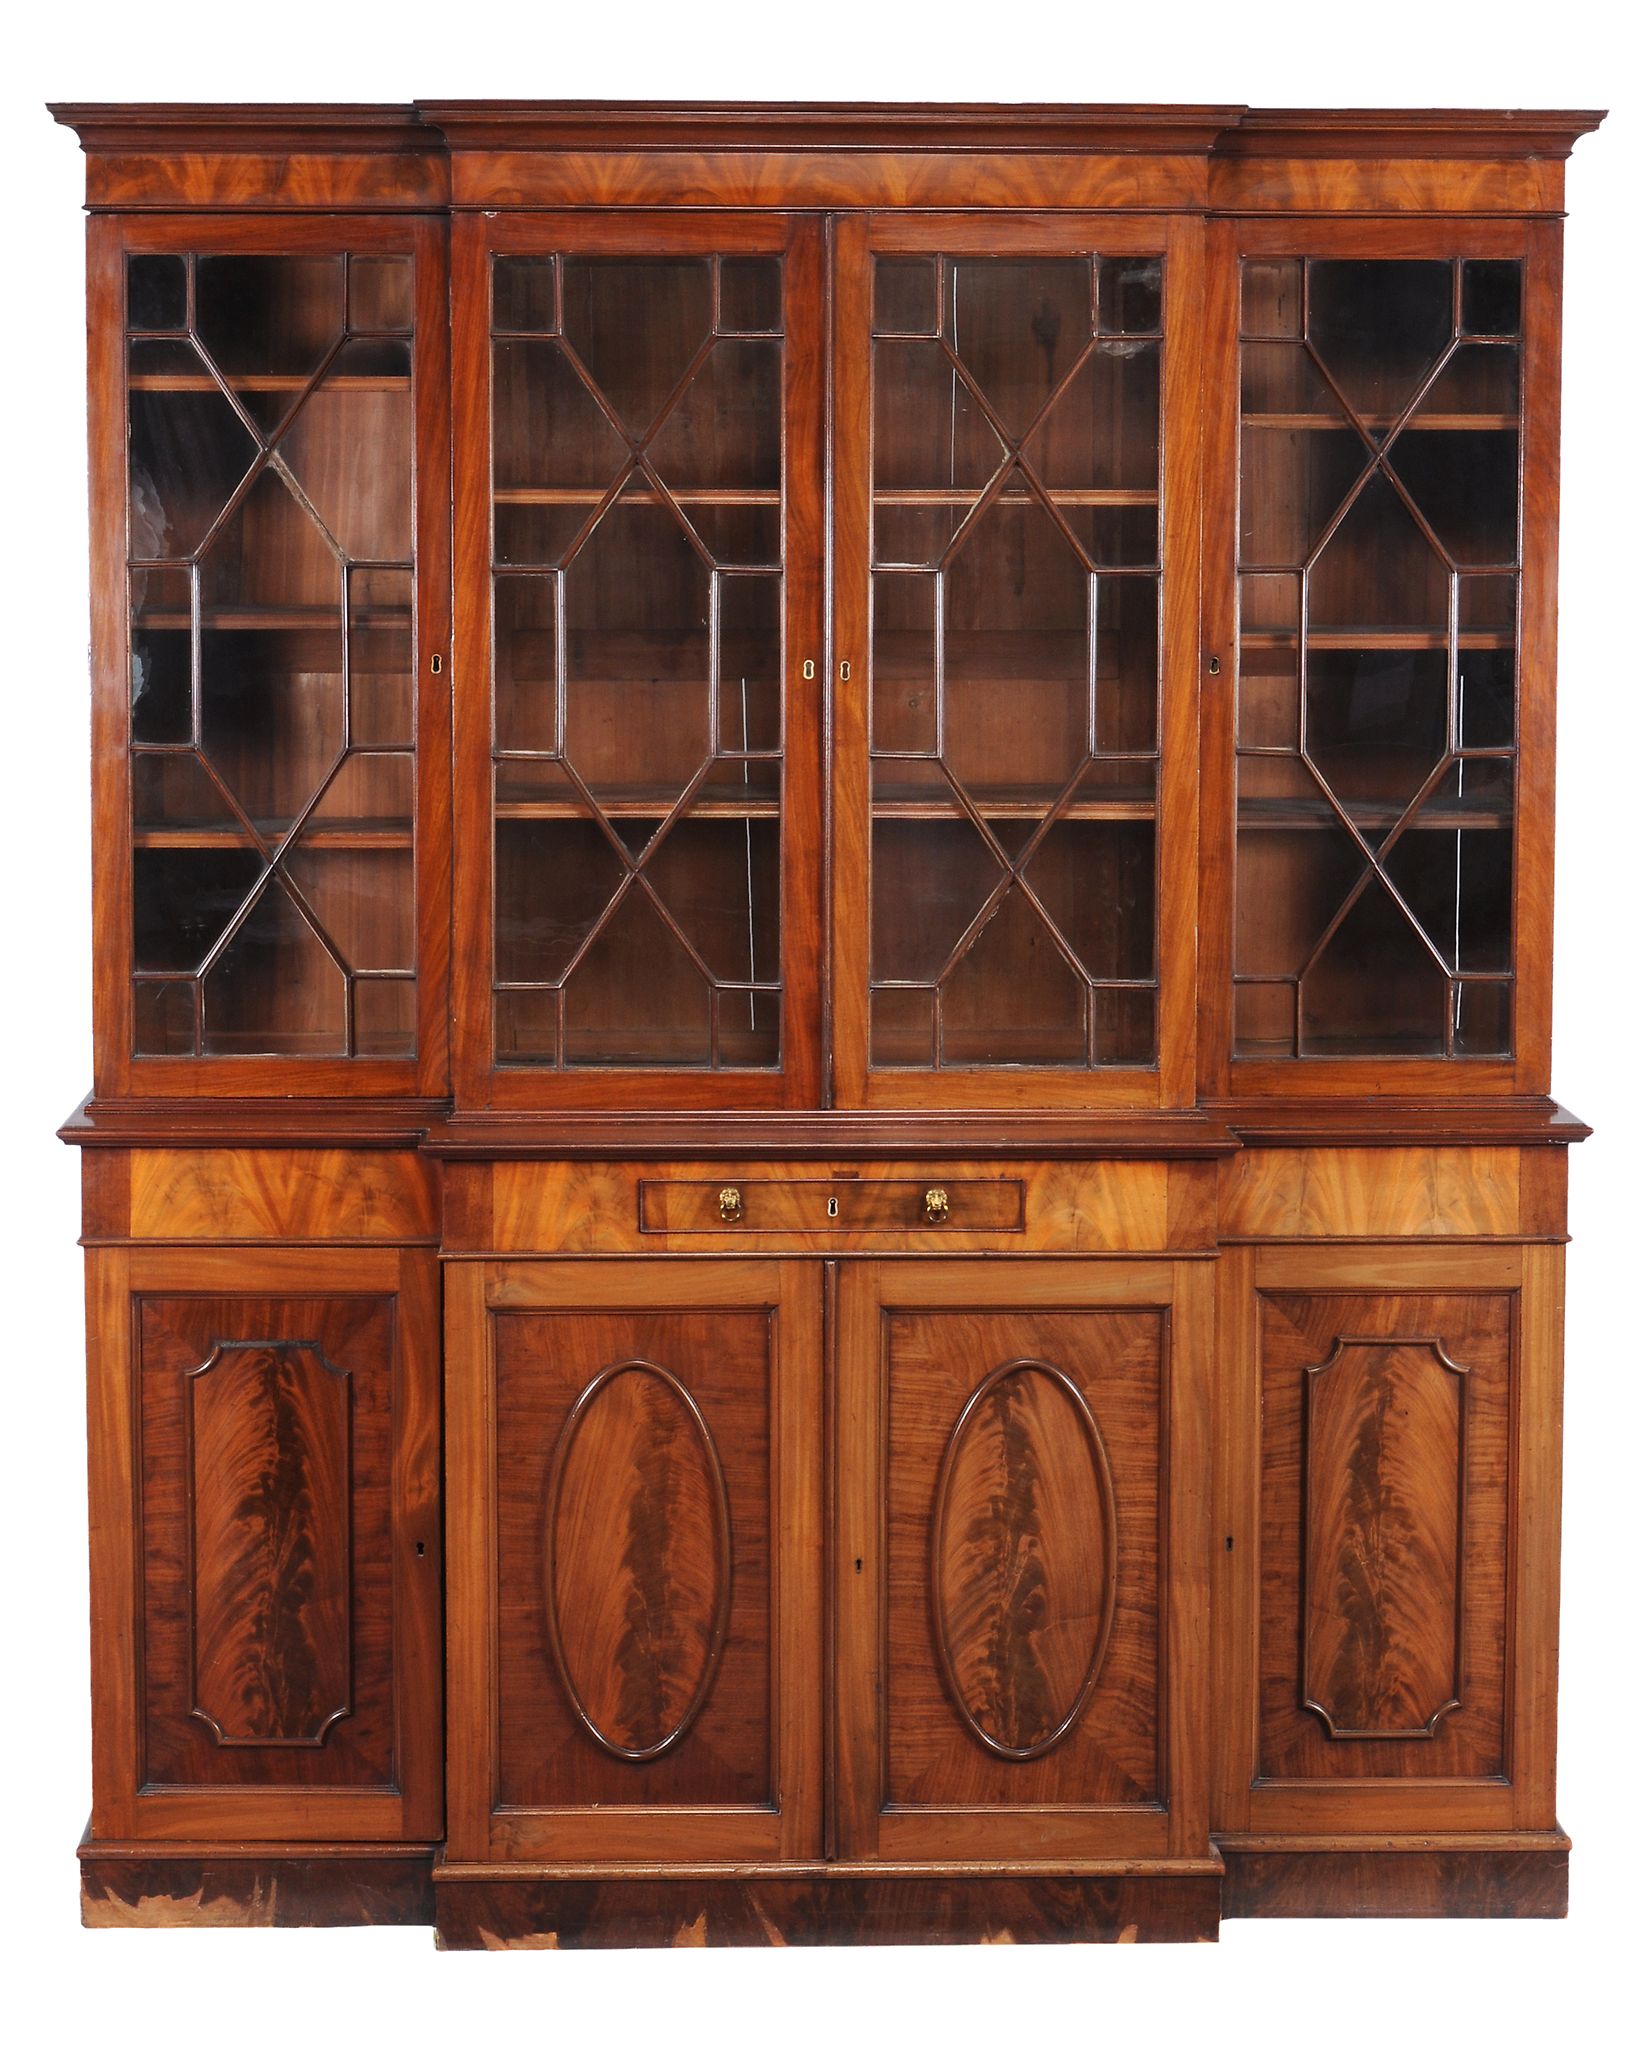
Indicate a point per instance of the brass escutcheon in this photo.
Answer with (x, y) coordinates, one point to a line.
(936, 1205)
(731, 1205)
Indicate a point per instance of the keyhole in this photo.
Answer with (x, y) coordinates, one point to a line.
(859, 1564)
(833, 1205)
(420, 1550)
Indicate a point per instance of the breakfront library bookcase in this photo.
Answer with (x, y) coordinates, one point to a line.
(820, 1199)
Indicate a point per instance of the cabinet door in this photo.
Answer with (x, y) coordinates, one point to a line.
(269, 437)
(1381, 538)
(265, 1545)
(1020, 1590)
(634, 1455)
(641, 555)
(1016, 551)
(1392, 1521)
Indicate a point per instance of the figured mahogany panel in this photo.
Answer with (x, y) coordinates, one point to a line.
(219, 1194)
(1388, 1191)
(1022, 1561)
(634, 1558)
(1385, 1433)
(265, 1432)
(637, 1559)
(1382, 1587)
(268, 1480)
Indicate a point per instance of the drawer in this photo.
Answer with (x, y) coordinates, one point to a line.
(725, 1206)
(1094, 1207)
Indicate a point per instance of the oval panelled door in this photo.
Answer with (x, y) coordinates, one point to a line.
(1023, 1559)
(636, 1559)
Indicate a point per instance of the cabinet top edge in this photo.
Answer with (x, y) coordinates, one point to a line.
(1209, 1131)
(437, 126)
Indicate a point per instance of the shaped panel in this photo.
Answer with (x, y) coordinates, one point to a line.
(1382, 1582)
(1385, 1515)
(637, 1559)
(1023, 1559)
(268, 1479)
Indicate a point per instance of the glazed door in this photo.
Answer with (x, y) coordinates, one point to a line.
(1016, 542)
(266, 1556)
(634, 1470)
(640, 571)
(1381, 600)
(1020, 1589)
(269, 411)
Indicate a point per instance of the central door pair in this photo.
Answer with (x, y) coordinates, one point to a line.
(827, 575)
(768, 1560)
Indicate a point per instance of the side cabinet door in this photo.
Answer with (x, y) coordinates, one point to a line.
(266, 1572)
(1020, 1603)
(634, 1465)
(1399, 1519)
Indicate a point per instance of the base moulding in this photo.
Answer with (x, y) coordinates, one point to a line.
(482, 1906)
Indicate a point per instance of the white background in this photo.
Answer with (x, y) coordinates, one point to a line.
(1332, 1982)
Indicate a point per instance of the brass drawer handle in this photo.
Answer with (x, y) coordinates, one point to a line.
(936, 1205)
(731, 1205)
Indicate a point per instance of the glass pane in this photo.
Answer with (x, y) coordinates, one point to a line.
(1015, 661)
(272, 640)
(1377, 688)
(638, 660)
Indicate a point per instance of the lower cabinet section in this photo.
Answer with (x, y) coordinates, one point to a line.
(796, 1597)
(267, 1606)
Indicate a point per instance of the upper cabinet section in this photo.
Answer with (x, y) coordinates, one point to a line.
(804, 607)
(274, 755)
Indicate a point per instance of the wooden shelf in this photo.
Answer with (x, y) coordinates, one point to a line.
(192, 380)
(636, 803)
(271, 619)
(1422, 423)
(352, 835)
(1116, 497)
(1272, 813)
(1372, 639)
(1004, 803)
(528, 494)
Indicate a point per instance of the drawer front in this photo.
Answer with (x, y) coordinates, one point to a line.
(1093, 1207)
(934, 1204)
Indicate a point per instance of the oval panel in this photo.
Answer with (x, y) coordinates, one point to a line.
(1023, 1559)
(636, 1559)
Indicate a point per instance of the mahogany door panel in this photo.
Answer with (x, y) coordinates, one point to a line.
(1388, 1667)
(655, 1457)
(1382, 431)
(640, 565)
(1004, 1605)
(1016, 459)
(271, 548)
(284, 1453)
(1385, 1535)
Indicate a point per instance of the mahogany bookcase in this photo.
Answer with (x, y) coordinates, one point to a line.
(820, 1198)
